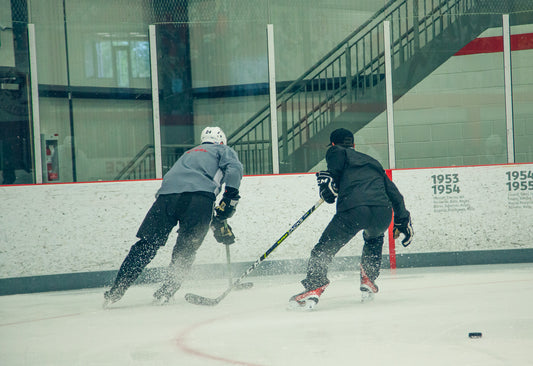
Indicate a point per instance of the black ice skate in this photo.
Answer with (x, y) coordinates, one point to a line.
(111, 296)
(165, 294)
(306, 300)
(368, 288)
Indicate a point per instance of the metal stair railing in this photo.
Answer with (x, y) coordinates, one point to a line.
(142, 165)
(347, 73)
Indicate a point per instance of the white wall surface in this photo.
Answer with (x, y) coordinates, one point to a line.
(68, 228)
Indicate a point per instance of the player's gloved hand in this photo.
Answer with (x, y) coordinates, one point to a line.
(228, 203)
(403, 226)
(327, 188)
(222, 231)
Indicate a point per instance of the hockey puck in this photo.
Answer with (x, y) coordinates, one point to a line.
(474, 335)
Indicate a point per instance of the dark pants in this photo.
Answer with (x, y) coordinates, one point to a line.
(374, 220)
(193, 212)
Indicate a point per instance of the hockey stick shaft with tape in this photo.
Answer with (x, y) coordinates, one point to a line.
(201, 300)
(242, 286)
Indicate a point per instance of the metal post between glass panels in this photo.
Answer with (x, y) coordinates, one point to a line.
(390, 101)
(508, 87)
(273, 100)
(36, 120)
(155, 103)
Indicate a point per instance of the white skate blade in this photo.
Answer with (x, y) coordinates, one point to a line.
(367, 296)
(303, 305)
(163, 301)
(107, 303)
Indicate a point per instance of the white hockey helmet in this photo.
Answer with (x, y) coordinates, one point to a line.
(213, 135)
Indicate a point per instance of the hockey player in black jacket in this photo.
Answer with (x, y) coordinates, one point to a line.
(366, 198)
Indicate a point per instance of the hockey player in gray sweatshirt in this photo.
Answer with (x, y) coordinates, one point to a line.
(187, 196)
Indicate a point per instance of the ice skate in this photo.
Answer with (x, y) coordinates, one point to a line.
(163, 300)
(165, 294)
(366, 295)
(306, 300)
(368, 288)
(111, 296)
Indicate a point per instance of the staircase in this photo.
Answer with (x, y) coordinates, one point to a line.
(142, 165)
(346, 88)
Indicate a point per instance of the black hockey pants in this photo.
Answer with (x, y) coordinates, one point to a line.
(193, 212)
(374, 220)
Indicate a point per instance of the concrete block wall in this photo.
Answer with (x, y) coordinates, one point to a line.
(456, 116)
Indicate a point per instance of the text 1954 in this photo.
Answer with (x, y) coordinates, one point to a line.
(519, 180)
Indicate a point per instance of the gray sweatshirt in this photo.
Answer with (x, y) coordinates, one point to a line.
(203, 168)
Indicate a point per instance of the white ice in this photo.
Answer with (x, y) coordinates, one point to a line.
(421, 316)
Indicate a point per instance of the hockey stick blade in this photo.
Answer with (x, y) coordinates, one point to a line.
(201, 300)
(206, 301)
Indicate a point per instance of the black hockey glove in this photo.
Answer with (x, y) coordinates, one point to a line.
(403, 226)
(222, 231)
(327, 188)
(228, 203)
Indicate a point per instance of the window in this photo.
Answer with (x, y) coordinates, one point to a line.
(117, 58)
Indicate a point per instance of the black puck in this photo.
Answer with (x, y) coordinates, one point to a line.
(474, 335)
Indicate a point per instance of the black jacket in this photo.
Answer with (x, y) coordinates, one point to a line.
(362, 181)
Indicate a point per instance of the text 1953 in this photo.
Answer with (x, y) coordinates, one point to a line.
(445, 183)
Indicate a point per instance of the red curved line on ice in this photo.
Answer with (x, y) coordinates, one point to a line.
(181, 340)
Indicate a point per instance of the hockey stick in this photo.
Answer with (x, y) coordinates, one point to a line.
(228, 261)
(242, 286)
(201, 300)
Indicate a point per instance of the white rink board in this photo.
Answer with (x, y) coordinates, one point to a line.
(85, 227)
(469, 208)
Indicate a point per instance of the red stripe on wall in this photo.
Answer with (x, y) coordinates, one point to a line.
(392, 244)
(495, 44)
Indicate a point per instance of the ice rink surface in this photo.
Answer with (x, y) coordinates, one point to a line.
(421, 316)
